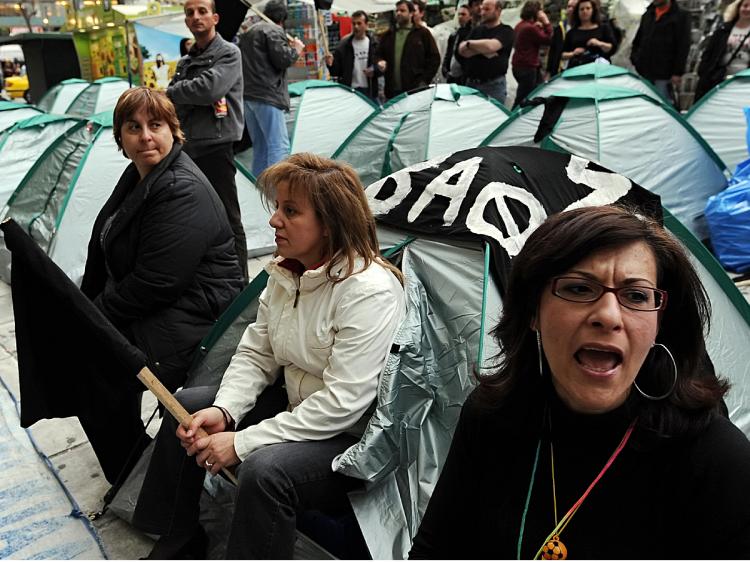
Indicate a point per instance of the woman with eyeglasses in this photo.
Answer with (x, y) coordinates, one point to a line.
(602, 434)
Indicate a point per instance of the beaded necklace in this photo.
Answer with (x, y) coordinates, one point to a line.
(553, 548)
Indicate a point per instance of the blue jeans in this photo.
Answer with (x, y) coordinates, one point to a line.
(267, 128)
(665, 88)
(495, 88)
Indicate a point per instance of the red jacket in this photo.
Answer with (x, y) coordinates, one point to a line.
(529, 37)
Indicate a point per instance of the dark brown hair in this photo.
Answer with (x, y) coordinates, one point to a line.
(361, 14)
(530, 9)
(409, 5)
(155, 103)
(336, 193)
(595, 13)
(561, 242)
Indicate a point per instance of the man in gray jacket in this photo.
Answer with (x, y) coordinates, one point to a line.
(266, 54)
(207, 93)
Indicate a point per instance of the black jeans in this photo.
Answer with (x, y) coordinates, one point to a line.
(276, 482)
(528, 79)
(218, 166)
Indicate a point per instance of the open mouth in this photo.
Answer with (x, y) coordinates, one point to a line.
(598, 360)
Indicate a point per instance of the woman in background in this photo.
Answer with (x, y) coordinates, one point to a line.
(728, 49)
(589, 39)
(532, 32)
(161, 266)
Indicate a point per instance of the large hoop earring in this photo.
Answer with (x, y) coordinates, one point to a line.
(539, 350)
(674, 382)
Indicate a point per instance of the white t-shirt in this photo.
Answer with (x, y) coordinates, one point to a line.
(741, 61)
(361, 50)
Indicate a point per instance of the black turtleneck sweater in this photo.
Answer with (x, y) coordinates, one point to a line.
(685, 497)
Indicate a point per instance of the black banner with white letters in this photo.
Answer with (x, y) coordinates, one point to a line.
(499, 195)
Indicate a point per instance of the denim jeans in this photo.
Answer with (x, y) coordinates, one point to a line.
(495, 88)
(665, 88)
(267, 128)
(276, 482)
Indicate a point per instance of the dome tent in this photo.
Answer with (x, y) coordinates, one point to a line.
(99, 96)
(12, 112)
(61, 195)
(629, 133)
(596, 73)
(323, 114)
(720, 119)
(23, 143)
(419, 125)
(57, 100)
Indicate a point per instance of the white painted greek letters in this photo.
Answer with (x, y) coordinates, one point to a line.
(498, 191)
(455, 192)
(608, 187)
(403, 186)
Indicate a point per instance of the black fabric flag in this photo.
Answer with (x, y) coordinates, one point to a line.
(71, 360)
(499, 195)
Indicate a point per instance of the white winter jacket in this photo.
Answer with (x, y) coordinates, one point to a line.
(332, 341)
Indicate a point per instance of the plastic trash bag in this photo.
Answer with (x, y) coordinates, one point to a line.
(728, 217)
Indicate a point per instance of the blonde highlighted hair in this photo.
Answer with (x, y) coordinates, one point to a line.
(336, 193)
(732, 11)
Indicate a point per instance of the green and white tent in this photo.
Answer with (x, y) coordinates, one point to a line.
(629, 133)
(57, 100)
(98, 97)
(323, 114)
(420, 125)
(12, 112)
(45, 195)
(60, 196)
(596, 73)
(720, 118)
(23, 143)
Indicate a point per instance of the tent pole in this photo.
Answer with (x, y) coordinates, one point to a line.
(127, 50)
(263, 16)
(179, 413)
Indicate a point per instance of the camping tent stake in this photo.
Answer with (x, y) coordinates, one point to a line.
(179, 413)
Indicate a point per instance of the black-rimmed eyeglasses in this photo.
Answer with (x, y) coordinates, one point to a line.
(634, 297)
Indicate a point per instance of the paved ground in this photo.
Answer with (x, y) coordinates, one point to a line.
(39, 498)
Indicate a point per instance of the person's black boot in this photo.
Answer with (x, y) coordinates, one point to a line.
(181, 546)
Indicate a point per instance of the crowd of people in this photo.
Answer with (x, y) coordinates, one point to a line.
(601, 302)
(478, 51)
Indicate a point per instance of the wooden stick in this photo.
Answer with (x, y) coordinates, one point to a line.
(323, 32)
(179, 413)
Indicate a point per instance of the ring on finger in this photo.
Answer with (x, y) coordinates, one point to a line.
(208, 464)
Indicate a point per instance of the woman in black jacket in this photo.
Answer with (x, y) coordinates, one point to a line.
(728, 46)
(589, 39)
(161, 264)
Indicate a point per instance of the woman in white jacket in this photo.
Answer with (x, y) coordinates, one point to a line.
(326, 320)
